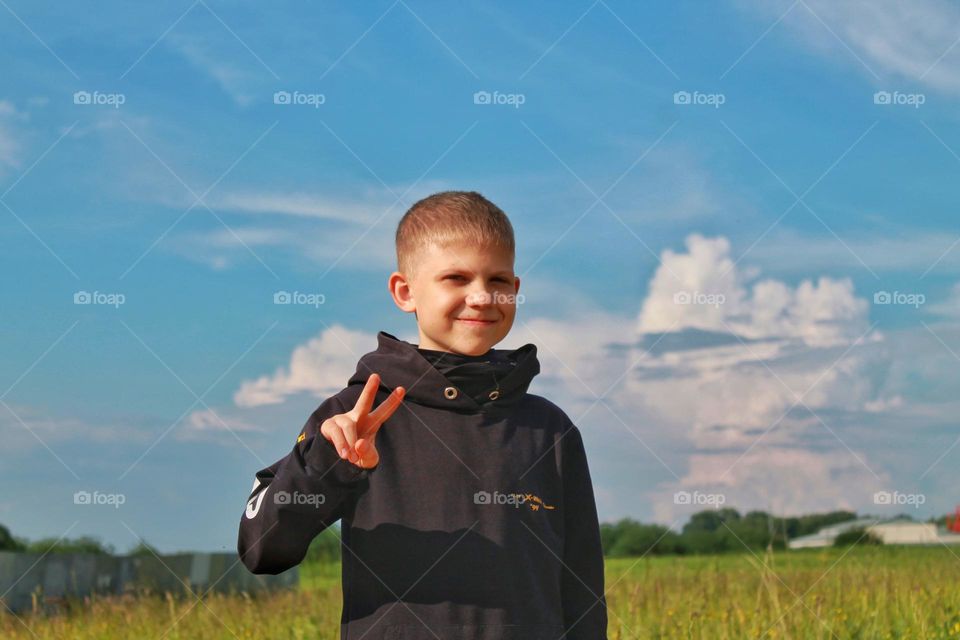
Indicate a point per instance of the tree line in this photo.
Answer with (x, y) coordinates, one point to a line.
(709, 531)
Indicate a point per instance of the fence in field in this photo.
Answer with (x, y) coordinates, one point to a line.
(57, 576)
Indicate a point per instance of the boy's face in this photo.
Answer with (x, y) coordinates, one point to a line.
(464, 297)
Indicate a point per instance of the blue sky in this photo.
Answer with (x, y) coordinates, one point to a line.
(144, 153)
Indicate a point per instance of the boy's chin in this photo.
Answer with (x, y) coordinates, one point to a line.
(469, 345)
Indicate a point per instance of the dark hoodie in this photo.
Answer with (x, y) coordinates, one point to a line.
(478, 523)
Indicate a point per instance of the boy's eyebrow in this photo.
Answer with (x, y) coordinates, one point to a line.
(447, 270)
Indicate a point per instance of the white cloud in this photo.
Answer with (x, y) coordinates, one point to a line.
(703, 289)
(684, 399)
(299, 204)
(893, 39)
(321, 367)
(782, 480)
(210, 421)
(238, 82)
(11, 148)
(750, 369)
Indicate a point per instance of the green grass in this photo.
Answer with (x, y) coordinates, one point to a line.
(883, 592)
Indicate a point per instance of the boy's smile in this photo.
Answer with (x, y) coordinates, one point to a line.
(464, 296)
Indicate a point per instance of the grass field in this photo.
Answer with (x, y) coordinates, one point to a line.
(865, 592)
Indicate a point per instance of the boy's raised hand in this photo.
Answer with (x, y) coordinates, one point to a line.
(354, 433)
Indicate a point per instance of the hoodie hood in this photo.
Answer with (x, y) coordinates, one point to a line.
(400, 364)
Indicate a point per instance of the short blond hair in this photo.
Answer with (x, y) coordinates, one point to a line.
(448, 217)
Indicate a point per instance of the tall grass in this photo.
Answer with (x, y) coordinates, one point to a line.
(885, 592)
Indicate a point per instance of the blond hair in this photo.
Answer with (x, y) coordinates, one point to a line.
(448, 217)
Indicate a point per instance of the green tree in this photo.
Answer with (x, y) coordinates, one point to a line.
(8, 542)
(144, 549)
(83, 544)
(325, 547)
(859, 535)
(641, 539)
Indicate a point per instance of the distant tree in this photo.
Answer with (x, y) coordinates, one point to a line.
(143, 549)
(711, 520)
(642, 539)
(701, 542)
(8, 542)
(758, 530)
(805, 525)
(858, 535)
(83, 544)
(325, 547)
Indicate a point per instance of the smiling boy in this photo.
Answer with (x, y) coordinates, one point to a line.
(466, 503)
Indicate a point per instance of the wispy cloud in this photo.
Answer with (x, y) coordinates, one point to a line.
(11, 148)
(910, 41)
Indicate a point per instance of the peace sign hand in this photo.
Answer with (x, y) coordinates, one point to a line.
(354, 433)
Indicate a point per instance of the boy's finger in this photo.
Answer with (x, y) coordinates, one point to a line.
(339, 442)
(349, 428)
(367, 453)
(365, 401)
(386, 408)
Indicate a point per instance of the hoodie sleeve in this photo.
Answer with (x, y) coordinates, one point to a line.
(582, 589)
(297, 497)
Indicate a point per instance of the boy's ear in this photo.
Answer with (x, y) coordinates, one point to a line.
(401, 292)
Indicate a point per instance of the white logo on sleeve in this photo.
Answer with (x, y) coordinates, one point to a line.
(253, 506)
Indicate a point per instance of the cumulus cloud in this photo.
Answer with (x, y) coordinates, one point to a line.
(320, 367)
(704, 289)
(747, 370)
(780, 398)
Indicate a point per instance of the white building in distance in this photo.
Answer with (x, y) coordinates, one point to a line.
(898, 530)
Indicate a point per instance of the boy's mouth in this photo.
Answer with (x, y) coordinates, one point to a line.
(476, 322)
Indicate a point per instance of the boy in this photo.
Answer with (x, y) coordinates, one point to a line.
(466, 503)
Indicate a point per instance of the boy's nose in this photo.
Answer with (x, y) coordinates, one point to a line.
(479, 298)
